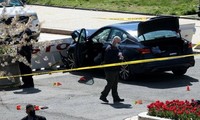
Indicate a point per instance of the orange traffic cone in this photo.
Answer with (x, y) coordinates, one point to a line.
(18, 107)
(57, 84)
(188, 88)
(138, 102)
(36, 107)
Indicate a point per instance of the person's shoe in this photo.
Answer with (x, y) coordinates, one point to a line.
(118, 100)
(103, 99)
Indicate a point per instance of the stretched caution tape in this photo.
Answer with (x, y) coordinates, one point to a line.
(196, 45)
(103, 66)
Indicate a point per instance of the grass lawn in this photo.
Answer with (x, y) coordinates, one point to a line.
(157, 7)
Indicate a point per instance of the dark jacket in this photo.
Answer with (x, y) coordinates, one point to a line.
(111, 56)
(37, 117)
(26, 51)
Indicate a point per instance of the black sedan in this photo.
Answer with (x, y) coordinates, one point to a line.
(155, 38)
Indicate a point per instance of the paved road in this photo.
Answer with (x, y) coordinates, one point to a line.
(76, 101)
(72, 19)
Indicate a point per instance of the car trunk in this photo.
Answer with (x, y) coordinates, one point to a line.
(158, 23)
(164, 47)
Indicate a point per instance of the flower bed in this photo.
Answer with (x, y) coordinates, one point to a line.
(175, 109)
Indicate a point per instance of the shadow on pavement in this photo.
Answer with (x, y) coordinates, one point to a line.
(162, 80)
(95, 73)
(119, 105)
(28, 91)
(157, 80)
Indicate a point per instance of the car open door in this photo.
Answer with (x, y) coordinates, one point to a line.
(81, 49)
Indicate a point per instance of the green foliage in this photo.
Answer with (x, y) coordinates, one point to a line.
(168, 7)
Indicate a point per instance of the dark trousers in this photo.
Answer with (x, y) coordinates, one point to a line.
(112, 78)
(24, 69)
(27, 80)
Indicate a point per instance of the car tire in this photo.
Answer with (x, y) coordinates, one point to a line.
(71, 61)
(179, 71)
(125, 73)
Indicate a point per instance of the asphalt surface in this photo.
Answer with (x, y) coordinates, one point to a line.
(63, 21)
(80, 101)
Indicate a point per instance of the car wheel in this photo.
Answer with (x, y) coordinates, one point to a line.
(179, 71)
(71, 62)
(124, 72)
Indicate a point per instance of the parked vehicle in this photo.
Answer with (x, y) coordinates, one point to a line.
(12, 8)
(155, 38)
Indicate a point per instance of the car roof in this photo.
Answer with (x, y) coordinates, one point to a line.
(135, 28)
(126, 25)
(130, 27)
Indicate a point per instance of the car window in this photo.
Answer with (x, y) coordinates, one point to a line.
(101, 36)
(117, 32)
(158, 34)
(82, 36)
(15, 3)
(12, 3)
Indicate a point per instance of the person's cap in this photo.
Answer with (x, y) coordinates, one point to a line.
(29, 106)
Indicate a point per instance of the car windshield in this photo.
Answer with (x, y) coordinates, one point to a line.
(10, 3)
(157, 35)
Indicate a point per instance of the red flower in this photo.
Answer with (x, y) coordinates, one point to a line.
(175, 108)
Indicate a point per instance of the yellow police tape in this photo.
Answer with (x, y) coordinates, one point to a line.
(128, 19)
(103, 66)
(196, 45)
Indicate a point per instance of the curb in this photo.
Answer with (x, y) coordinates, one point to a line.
(144, 116)
(56, 31)
(132, 118)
